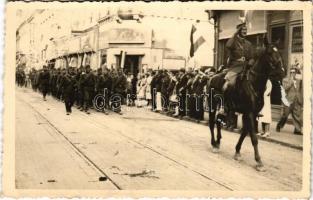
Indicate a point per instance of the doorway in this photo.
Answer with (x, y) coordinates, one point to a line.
(132, 64)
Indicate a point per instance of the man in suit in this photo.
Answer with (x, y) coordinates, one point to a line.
(292, 87)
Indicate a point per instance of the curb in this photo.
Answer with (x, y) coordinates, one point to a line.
(271, 140)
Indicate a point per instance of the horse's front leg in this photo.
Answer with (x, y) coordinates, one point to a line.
(212, 125)
(254, 140)
(243, 134)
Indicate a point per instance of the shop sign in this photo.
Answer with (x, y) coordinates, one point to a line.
(103, 39)
(88, 42)
(74, 45)
(126, 35)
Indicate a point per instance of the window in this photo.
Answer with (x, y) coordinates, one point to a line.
(278, 35)
(297, 39)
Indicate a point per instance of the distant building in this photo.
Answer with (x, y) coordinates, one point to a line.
(35, 35)
(125, 39)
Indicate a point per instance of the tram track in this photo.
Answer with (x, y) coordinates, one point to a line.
(159, 153)
(105, 123)
(99, 125)
(78, 151)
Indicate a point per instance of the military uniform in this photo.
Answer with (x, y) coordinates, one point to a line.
(119, 92)
(181, 91)
(44, 79)
(240, 55)
(164, 91)
(68, 86)
(88, 85)
(104, 85)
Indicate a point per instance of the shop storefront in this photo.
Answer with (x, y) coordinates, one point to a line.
(126, 45)
(72, 56)
(88, 48)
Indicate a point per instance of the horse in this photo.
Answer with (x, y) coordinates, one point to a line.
(246, 97)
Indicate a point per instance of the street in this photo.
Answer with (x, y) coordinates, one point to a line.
(139, 150)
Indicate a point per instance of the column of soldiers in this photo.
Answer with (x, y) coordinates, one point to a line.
(20, 77)
(79, 86)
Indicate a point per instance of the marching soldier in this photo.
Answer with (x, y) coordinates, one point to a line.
(119, 86)
(103, 87)
(68, 86)
(79, 91)
(44, 79)
(88, 83)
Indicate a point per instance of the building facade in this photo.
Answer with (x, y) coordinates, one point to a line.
(125, 40)
(284, 28)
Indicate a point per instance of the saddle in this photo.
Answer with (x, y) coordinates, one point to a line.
(236, 92)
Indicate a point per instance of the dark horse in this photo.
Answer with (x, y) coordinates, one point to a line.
(246, 97)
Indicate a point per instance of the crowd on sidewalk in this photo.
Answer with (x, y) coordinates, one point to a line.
(177, 93)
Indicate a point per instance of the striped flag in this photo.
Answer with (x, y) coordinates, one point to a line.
(195, 44)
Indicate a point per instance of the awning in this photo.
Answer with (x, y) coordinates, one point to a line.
(230, 19)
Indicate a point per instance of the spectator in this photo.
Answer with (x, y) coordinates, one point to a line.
(164, 90)
(291, 86)
(148, 88)
(141, 90)
(266, 112)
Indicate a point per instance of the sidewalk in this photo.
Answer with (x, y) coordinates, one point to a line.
(285, 137)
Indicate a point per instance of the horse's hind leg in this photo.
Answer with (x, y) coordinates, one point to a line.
(211, 125)
(242, 137)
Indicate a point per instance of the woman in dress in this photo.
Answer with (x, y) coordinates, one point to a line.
(266, 111)
(141, 94)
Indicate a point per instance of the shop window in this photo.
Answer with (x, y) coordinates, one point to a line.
(297, 39)
(103, 59)
(278, 36)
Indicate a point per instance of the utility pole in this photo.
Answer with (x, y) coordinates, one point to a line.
(214, 15)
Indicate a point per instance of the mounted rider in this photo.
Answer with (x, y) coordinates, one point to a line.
(240, 56)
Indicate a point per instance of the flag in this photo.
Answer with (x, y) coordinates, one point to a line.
(194, 45)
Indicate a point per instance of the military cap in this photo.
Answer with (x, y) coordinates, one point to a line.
(182, 70)
(241, 25)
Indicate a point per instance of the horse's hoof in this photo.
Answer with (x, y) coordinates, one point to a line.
(260, 168)
(215, 150)
(237, 156)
